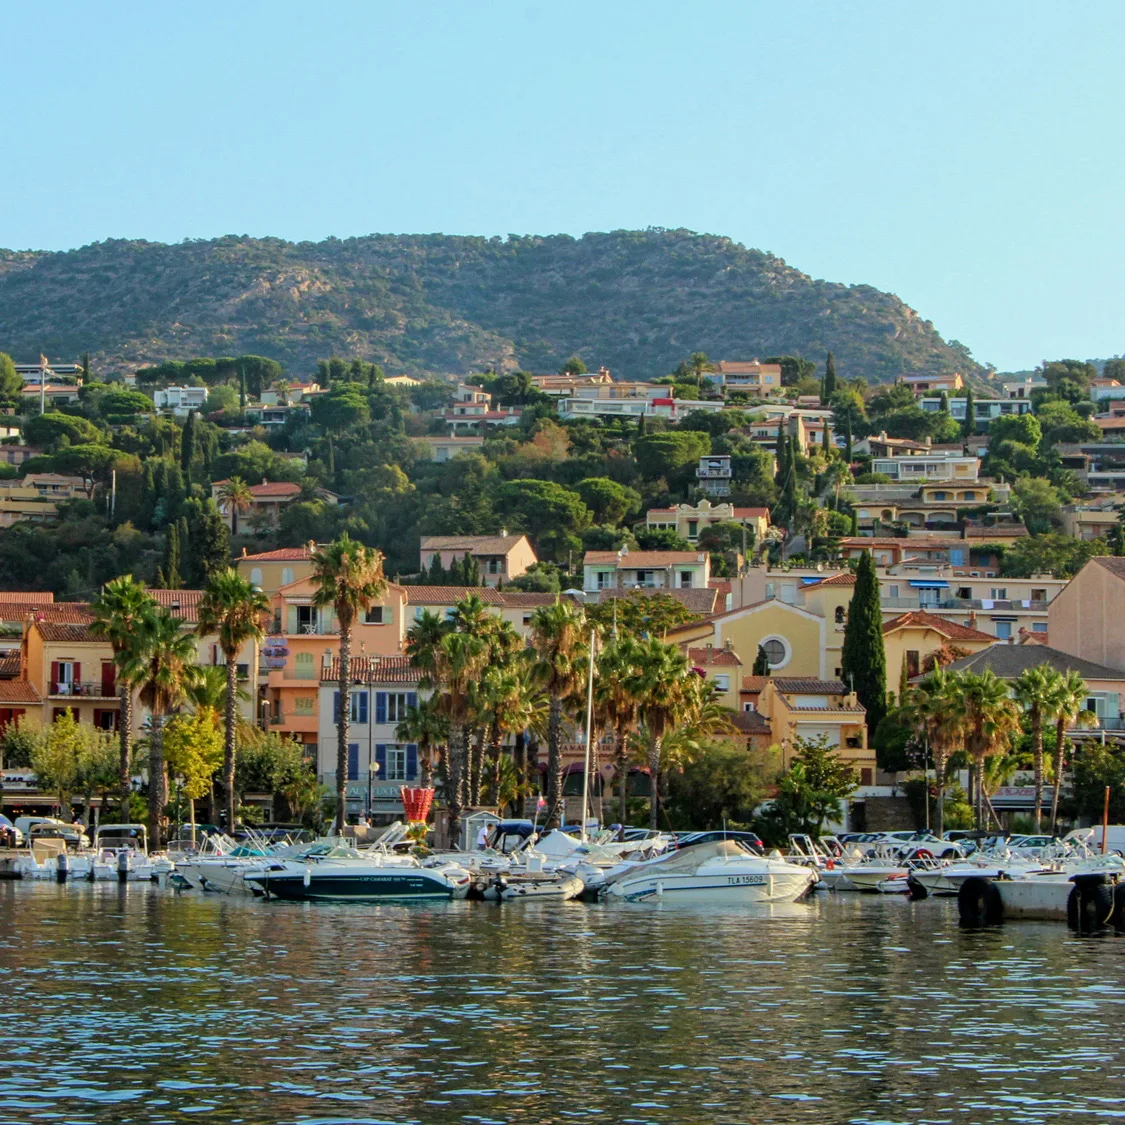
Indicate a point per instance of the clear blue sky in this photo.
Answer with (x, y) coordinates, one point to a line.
(966, 156)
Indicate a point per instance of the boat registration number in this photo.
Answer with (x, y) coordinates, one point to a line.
(746, 880)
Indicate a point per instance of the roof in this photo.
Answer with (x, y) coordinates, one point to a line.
(750, 722)
(751, 513)
(274, 488)
(10, 664)
(795, 685)
(1112, 563)
(65, 631)
(895, 541)
(32, 597)
(284, 554)
(17, 691)
(374, 670)
(711, 655)
(181, 603)
(919, 619)
(520, 599)
(696, 601)
(74, 613)
(477, 544)
(451, 595)
(1016, 531)
(1007, 661)
(845, 578)
(631, 560)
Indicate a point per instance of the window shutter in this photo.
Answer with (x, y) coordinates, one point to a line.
(292, 619)
(388, 615)
(335, 706)
(77, 677)
(54, 675)
(411, 699)
(380, 707)
(361, 707)
(353, 761)
(381, 758)
(412, 761)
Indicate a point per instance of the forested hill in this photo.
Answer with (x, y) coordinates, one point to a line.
(636, 301)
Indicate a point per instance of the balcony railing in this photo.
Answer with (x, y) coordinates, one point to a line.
(714, 474)
(88, 689)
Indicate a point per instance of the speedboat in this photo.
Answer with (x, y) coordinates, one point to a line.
(723, 871)
(342, 872)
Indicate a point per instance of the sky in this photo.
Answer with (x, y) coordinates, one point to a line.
(965, 156)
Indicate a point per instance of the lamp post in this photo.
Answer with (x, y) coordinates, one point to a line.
(265, 706)
(372, 770)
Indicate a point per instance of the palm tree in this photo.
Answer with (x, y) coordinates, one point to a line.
(428, 728)
(119, 611)
(471, 616)
(699, 363)
(347, 577)
(658, 681)
(991, 718)
(234, 609)
(558, 634)
(1067, 706)
(236, 497)
(936, 707)
(163, 665)
(615, 706)
(1034, 689)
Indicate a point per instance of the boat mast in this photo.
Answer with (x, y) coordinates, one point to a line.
(589, 735)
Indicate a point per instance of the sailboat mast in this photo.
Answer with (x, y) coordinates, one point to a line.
(589, 735)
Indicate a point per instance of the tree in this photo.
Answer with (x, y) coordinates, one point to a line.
(991, 718)
(168, 573)
(615, 705)
(969, 425)
(47, 430)
(658, 683)
(1066, 705)
(121, 611)
(10, 381)
(193, 751)
(863, 657)
(1054, 553)
(90, 461)
(811, 792)
(208, 541)
(662, 455)
(187, 445)
(1095, 768)
(1034, 689)
(236, 497)
(163, 665)
(761, 663)
(609, 501)
(640, 613)
(347, 577)
(233, 610)
(573, 366)
(542, 507)
(1060, 422)
(340, 408)
(699, 363)
(721, 783)
(829, 379)
(1036, 502)
(428, 728)
(558, 636)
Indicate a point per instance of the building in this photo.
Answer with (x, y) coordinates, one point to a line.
(275, 416)
(13, 454)
(68, 669)
(1085, 618)
(985, 409)
(33, 372)
(1092, 519)
(659, 406)
(751, 377)
(661, 570)
(267, 500)
(691, 520)
(931, 384)
(500, 557)
(402, 381)
(916, 637)
(270, 570)
(33, 498)
(441, 449)
(714, 474)
(566, 384)
(180, 401)
(929, 466)
(54, 394)
(722, 668)
(1100, 466)
(383, 690)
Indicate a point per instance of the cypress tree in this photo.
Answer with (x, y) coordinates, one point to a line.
(187, 446)
(761, 663)
(85, 367)
(943, 403)
(825, 443)
(436, 577)
(863, 659)
(168, 575)
(830, 383)
(781, 450)
(903, 681)
(848, 439)
(241, 388)
(969, 425)
(209, 540)
(855, 523)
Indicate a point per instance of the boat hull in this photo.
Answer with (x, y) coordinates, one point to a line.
(1042, 898)
(714, 888)
(357, 887)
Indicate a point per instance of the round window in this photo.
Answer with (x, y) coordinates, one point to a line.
(775, 652)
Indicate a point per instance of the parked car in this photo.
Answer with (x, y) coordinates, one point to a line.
(10, 835)
(750, 839)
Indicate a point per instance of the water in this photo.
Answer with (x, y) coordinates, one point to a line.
(136, 1005)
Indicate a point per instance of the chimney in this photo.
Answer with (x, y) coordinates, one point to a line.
(244, 553)
(710, 648)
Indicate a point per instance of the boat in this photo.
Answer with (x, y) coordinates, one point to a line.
(722, 871)
(342, 872)
(532, 879)
(121, 853)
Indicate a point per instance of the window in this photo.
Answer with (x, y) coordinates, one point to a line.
(940, 496)
(396, 764)
(286, 575)
(303, 668)
(968, 495)
(353, 761)
(604, 579)
(358, 707)
(645, 578)
(304, 705)
(913, 663)
(999, 593)
(374, 615)
(965, 592)
(748, 707)
(685, 579)
(495, 566)
(307, 619)
(865, 776)
(1039, 626)
(397, 705)
(892, 591)
(527, 620)
(839, 615)
(1038, 595)
(256, 576)
(692, 528)
(776, 651)
(722, 682)
(1003, 630)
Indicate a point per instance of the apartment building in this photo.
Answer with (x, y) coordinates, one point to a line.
(180, 401)
(664, 570)
(500, 557)
(692, 520)
(749, 376)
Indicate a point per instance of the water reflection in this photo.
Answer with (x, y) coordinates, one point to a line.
(131, 1004)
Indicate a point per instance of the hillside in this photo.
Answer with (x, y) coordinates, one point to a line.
(635, 301)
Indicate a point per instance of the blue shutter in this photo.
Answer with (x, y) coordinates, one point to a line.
(359, 707)
(957, 557)
(335, 707)
(353, 761)
(412, 761)
(380, 706)
(411, 699)
(381, 758)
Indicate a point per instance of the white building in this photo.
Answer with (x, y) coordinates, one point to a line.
(180, 401)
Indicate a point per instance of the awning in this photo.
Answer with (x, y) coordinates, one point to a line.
(812, 581)
(918, 584)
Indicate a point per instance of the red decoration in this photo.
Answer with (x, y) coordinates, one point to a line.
(416, 802)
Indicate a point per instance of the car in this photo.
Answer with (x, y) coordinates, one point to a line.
(10, 835)
(750, 839)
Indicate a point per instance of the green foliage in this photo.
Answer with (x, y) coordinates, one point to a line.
(48, 430)
(608, 501)
(761, 663)
(10, 381)
(1094, 767)
(1050, 554)
(812, 792)
(1060, 422)
(661, 539)
(258, 371)
(1037, 503)
(540, 578)
(662, 455)
(863, 658)
(721, 783)
(342, 407)
(640, 614)
(544, 510)
(573, 366)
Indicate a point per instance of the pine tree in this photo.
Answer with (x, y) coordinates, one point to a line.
(830, 384)
(969, 426)
(855, 523)
(863, 659)
(187, 446)
(209, 541)
(761, 663)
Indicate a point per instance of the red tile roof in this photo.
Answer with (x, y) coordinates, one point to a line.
(17, 691)
(847, 578)
(1018, 531)
(631, 560)
(750, 722)
(10, 665)
(715, 656)
(283, 554)
(180, 603)
(917, 618)
(274, 488)
(795, 685)
(74, 613)
(32, 597)
(699, 600)
(374, 670)
(69, 631)
(451, 595)
(519, 599)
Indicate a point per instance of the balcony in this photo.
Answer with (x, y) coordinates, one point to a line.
(714, 474)
(84, 690)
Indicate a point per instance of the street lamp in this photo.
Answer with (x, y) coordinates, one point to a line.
(265, 706)
(372, 770)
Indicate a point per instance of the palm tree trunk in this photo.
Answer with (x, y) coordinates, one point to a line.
(343, 728)
(125, 732)
(494, 752)
(425, 765)
(939, 770)
(1037, 749)
(1060, 743)
(621, 770)
(157, 788)
(228, 746)
(476, 766)
(554, 765)
(654, 778)
(455, 762)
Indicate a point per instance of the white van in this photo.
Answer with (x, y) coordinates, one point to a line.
(1093, 837)
(24, 824)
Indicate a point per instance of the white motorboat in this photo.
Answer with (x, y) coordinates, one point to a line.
(121, 853)
(341, 872)
(719, 872)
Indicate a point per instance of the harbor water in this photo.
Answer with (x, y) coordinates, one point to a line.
(136, 1005)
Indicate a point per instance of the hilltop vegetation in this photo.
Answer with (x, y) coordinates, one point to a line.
(635, 301)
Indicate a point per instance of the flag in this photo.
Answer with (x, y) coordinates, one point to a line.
(541, 803)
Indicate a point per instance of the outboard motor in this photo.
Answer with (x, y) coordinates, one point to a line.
(62, 867)
(123, 865)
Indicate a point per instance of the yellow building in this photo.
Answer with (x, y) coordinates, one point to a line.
(723, 670)
(917, 636)
(68, 670)
(691, 520)
(270, 570)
